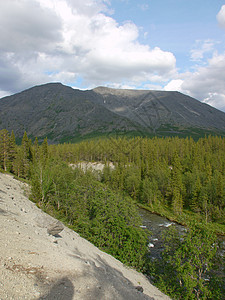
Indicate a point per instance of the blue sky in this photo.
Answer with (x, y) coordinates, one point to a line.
(178, 26)
(147, 44)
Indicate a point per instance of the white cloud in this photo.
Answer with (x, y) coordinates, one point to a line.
(208, 79)
(221, 17)
(216, 100)
(174, 85)
(206, 84)
(49, 40)
(201, 48)
(25, 26)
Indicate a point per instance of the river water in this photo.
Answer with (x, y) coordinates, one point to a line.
(156, 225)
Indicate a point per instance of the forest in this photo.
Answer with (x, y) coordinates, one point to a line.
(181, 179)
(172, 176)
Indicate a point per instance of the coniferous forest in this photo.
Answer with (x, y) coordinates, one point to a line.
(181, 179)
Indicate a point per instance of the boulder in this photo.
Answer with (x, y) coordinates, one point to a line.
(139, 288)
(55, 228)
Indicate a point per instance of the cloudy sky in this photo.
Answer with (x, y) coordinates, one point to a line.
(144, 44)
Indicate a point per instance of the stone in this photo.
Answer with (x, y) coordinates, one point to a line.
(55, 228)
(43, 220)
(139, 288)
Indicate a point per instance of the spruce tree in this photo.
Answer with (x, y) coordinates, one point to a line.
(27, 157)
(4, 149)
(12, 151)
(176, 187)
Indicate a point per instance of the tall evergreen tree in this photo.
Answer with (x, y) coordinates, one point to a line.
(12, 151)
(4, 149)
(176, 187)
(196, 195)
(27, 157)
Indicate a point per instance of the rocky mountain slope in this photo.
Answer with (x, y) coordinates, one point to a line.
(153, 109)
(58, 112)
(65, 114)
(37, 265)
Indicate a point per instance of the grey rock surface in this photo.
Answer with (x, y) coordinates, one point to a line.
(55, 228)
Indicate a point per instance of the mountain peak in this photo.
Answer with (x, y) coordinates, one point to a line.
(119, 92)
(64, 114)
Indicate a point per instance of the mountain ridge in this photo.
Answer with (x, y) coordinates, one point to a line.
(64, 114)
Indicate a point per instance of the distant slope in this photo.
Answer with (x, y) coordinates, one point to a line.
(157, 109)
(66, 114)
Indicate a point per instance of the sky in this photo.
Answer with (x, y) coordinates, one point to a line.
(145, 44)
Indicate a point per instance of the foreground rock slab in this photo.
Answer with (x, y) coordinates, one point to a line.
(36, 265)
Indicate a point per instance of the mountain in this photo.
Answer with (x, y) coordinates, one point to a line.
(59, 112)
(65, 114)
(158, 111)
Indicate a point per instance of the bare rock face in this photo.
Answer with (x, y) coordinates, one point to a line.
(64, 114)
(55, 228)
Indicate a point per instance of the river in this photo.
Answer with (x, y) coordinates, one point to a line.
(156, 225)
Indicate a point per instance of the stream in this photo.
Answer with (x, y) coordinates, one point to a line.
(156, 225)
